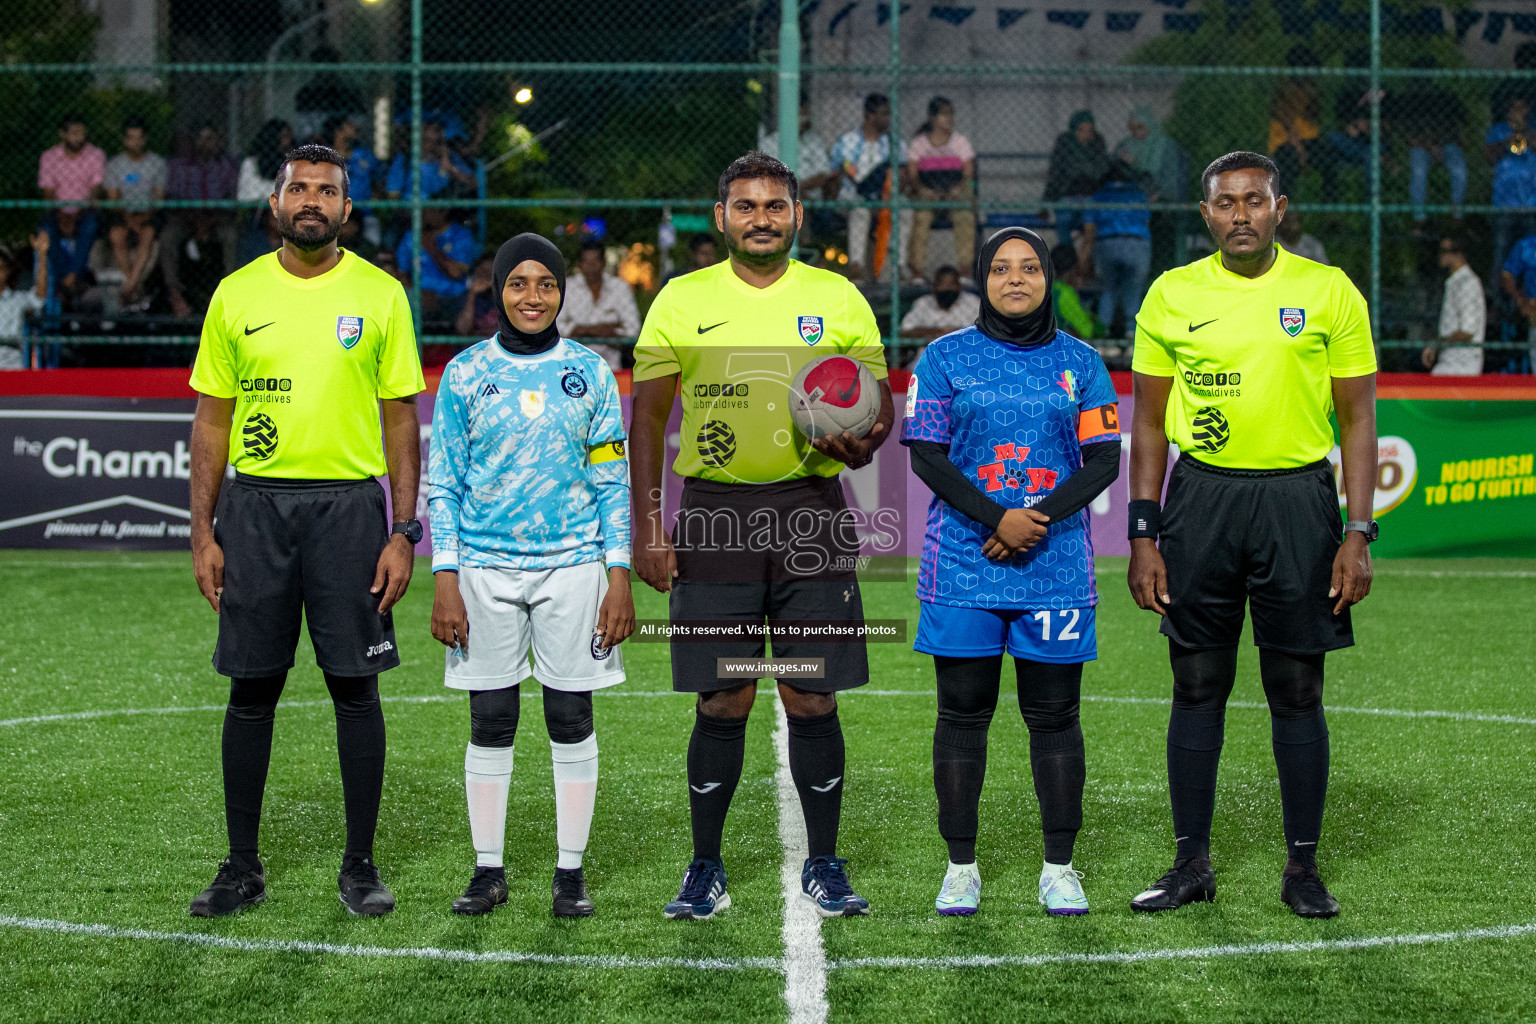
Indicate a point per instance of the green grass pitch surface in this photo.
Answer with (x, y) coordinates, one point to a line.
(117, 820)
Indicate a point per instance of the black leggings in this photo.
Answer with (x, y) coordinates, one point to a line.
(1049, 695)
(493, 716)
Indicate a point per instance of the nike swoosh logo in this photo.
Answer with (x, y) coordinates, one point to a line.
(1195, 327)
(706, 330)
(828, 787)
(708, 787)
(252, 330)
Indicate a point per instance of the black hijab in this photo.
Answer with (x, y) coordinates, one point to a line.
(1031, 329)
(513, 251)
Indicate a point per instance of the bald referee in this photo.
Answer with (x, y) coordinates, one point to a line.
(300, 350)
(763, 532)
(1240, 358)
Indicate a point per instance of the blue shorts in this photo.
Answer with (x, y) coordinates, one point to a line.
(1062, 636)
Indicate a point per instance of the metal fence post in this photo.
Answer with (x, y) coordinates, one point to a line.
(893, 250)
(1376, 170)
(789, 84)
(416, 60)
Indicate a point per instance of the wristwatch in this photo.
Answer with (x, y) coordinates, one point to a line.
(1370, 529)
(411, 528)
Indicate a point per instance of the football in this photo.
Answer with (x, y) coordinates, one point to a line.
(832, 394)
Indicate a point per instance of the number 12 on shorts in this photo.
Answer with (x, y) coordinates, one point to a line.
(1066, 624)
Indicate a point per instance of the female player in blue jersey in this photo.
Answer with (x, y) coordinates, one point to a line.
(530, 549)
(1013, 426)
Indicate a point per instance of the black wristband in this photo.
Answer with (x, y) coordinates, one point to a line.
(1145, 519)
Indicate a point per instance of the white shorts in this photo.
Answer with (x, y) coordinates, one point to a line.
(552, 611)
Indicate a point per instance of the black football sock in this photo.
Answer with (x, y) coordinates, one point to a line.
(1202, 682)
(816, 763)
(1057, 761)
(715, 752)
(1299, 734)
(247, 754)
(360, 747)
(967, 699)
(1049, 699)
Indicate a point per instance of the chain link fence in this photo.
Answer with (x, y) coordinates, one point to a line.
(142, 136)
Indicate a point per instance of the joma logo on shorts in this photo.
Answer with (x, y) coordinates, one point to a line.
(378, 649)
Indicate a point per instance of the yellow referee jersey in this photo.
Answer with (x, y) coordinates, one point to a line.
(1253, 359)
(307, 362)
(737, 349)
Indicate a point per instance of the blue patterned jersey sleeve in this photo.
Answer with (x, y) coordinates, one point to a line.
(608, 468)
(448, 468)
(928, 401)
(1099, 398)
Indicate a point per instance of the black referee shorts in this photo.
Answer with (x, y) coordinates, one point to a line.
(301, 546)
(750, 553)
(1267, 535)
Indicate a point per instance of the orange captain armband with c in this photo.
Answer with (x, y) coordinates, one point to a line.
(1101, 424)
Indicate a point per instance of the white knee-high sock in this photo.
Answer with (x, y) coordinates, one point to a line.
(487, 777)
(575, 796)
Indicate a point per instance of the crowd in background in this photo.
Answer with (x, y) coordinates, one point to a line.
(141, 258)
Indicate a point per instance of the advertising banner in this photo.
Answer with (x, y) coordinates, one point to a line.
(1455, 478)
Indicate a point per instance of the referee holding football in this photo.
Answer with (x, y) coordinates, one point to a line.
(763, 531)
(298, 349)
(1240, 358)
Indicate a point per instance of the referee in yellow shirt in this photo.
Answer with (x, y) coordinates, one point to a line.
(300, 350)
(1240, 358)
(763, 532)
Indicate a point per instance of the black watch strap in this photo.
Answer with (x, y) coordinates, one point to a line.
(411, 529)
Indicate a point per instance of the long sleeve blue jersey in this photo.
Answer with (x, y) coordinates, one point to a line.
(528, 469)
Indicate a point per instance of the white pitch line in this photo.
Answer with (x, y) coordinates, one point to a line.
(107, 931)
(805, 961)
(1512, 931)
(78, 716)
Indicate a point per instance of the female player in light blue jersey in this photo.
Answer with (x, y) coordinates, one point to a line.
(529, 506)
(1013, 426)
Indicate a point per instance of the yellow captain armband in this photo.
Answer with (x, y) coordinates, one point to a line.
(606, 453)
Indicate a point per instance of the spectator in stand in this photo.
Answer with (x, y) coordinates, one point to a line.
(1151, 153)
(1078, 156)
(442, 170)
(69, 257)
(263, 159)
(1297, 242)
(203, 242)
(1349, 145)
(1431, 119)
(1463, 316)
(260, 239)
(324, 96)
(815, 171)
(702, 252)
(136, 178)
(1518, 280)
(862, 160)
(1071, 315)
(16, 303)
(597, 305)
(1508, 146)
(342, 133)
(446, 256)
(946, 308)
(943, 166)
(478, 317)
(1293, 121)
(1118, 242)
(72, 171)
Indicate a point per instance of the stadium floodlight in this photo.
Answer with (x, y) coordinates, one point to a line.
(523, 95)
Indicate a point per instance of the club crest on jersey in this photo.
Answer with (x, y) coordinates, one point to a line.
(1292, 320)
(532, 403)
(811, 329)
(573, 384)
(348, 330)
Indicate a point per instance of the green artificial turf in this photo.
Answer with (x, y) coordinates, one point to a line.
(117, 820)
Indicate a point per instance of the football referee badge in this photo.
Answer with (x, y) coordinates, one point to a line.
(1292, 320)
(811, 329)
(348, 330)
